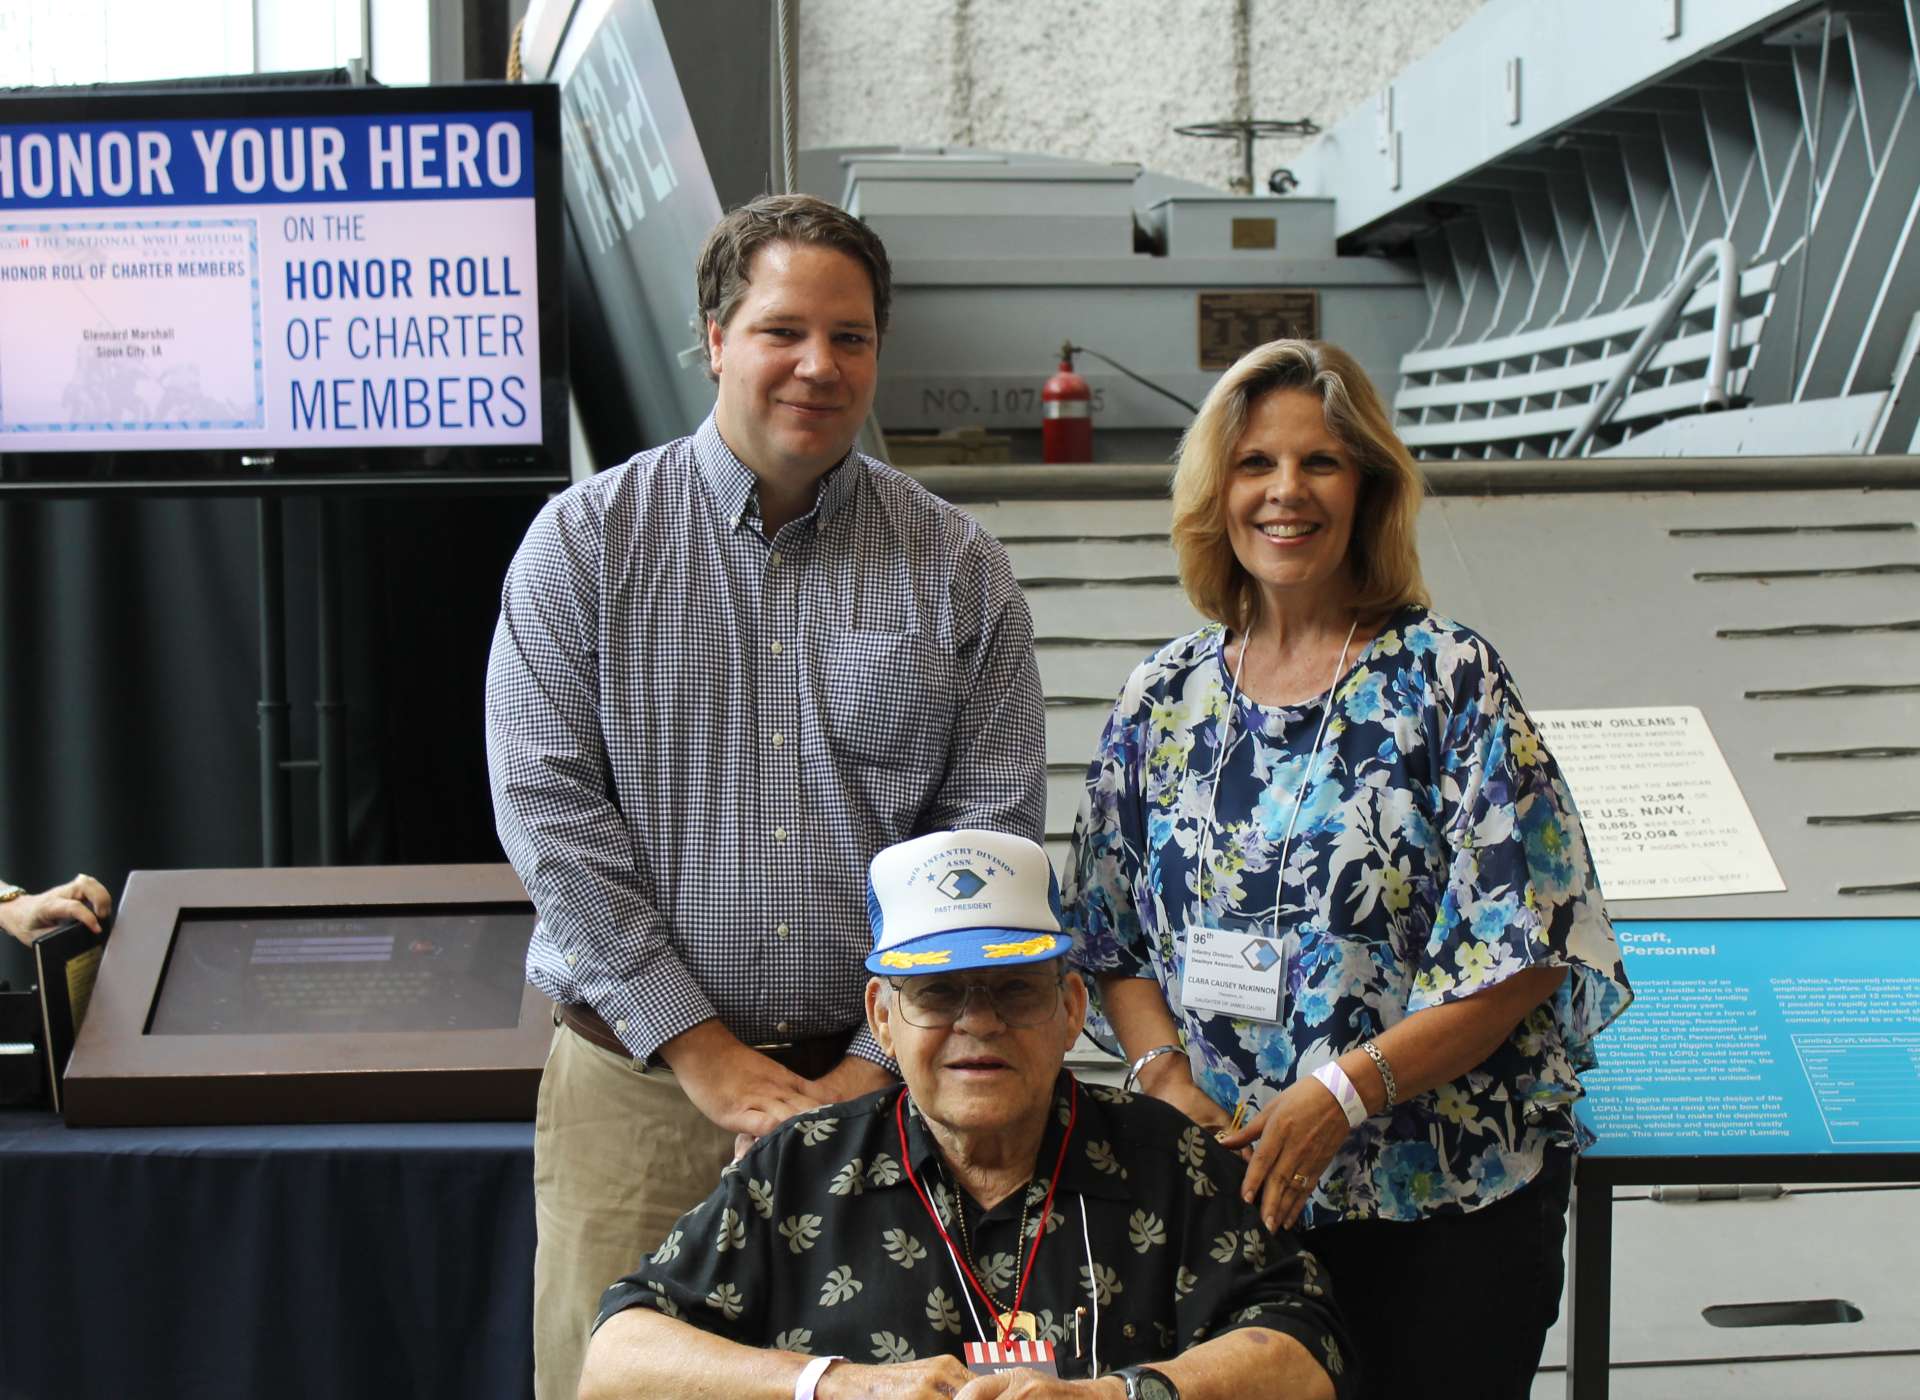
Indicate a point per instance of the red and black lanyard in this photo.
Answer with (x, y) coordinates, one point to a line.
(1004, 1330)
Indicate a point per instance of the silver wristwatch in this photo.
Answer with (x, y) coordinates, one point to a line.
(1145, 1383)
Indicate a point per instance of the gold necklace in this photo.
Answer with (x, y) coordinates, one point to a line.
(1019, 1326)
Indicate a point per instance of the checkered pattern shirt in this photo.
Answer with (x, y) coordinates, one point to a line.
(698, 738)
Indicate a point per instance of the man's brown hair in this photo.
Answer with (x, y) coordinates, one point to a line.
(721, 278)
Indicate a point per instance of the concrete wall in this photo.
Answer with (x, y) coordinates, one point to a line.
(1100, 79)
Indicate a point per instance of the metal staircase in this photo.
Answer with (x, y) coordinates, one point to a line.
(1794, 143)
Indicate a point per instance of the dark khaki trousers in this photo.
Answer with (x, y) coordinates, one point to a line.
(619, 1154)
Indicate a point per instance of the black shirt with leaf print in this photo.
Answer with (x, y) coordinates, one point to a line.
(816, 1242)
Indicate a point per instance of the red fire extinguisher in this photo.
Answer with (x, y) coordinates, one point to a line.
(1066, 409)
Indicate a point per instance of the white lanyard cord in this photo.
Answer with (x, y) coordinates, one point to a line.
(1093, 1287)
(1228, 740)
(966, 1287)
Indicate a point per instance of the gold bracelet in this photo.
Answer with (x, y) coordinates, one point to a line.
(9, 893)
(1386, 1070)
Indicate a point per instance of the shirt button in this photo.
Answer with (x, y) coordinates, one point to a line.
(773, 559)
(783, 1027)
(778, 738)
(780, 929)
(776, 648)
(1127, 1331)
(620, 1025)
(572, 959)
(779, 833)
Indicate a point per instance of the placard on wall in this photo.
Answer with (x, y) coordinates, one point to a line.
(1660, 807)
(1232, 323)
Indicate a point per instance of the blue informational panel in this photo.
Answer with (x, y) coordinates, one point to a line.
(1751, 1036)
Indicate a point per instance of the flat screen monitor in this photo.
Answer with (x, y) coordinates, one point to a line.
(343, 993)
(243, 285)
(321, 971)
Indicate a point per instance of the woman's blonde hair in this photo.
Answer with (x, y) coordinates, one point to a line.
(1382, 554)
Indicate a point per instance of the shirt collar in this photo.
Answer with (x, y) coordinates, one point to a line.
(1078, 1174)
(734, 486)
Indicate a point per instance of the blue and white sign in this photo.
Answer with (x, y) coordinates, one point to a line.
(351, 281)
(1762, 1036)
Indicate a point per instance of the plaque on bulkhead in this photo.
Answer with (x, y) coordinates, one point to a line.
(1232, 323)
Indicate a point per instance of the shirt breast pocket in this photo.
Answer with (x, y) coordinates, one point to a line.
(889, 720)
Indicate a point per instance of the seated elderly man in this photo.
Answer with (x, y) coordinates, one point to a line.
(992, 1214)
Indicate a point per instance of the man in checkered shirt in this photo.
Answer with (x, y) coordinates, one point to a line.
(726, 674)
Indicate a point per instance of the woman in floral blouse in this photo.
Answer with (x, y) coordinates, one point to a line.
(1326, 875)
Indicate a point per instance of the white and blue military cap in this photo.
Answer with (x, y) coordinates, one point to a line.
(959, 900)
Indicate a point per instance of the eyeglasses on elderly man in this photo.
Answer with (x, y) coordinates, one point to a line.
(1017, 998)
(991, 1227)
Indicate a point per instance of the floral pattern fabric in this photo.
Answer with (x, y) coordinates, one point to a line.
(816, 1242)
(1435, 853)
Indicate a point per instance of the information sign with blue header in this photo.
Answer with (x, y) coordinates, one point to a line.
(1762, 1036)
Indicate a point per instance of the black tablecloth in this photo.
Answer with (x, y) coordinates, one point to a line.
(344, 1260)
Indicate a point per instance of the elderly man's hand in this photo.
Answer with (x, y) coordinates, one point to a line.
(936, 1378)
(82, 899)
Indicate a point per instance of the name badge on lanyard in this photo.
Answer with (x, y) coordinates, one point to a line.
(1245, 974)
(988, 1358)
(1235, 974)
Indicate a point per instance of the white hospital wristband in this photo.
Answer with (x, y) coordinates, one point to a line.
(1341, 1087)
(810, 1376)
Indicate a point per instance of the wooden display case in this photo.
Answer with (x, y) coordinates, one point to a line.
(265, 996)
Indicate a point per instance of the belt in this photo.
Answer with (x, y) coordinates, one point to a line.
(809, 1058)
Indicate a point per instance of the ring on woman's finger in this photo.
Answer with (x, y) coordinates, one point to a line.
(1305, 1183)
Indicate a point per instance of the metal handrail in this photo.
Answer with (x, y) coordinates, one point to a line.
(1719, 363)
